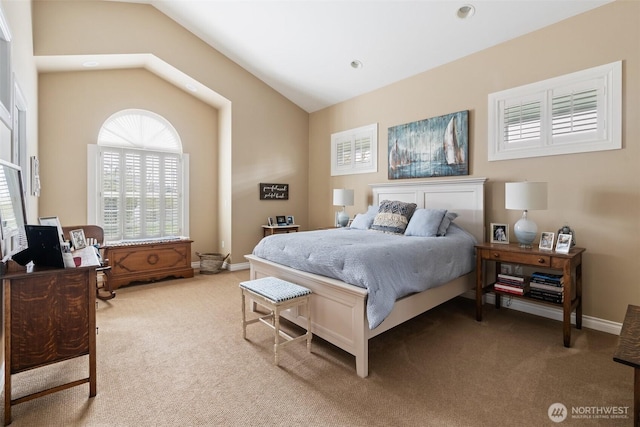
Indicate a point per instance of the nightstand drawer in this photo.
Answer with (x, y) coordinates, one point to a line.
(517, 258)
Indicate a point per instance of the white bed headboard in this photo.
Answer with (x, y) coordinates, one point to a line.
(464, 196)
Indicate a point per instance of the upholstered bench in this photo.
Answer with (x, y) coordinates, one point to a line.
(276, 295)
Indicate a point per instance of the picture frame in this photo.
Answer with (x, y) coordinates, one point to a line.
(78, 239)
(546, 240)
(499, 233)
(52, 221)
(290, 220)
(281, 220)
(270, 221)
(564, 243)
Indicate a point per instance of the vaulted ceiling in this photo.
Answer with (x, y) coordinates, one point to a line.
(318, 52)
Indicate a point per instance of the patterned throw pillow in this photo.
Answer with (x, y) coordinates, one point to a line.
(393, 216)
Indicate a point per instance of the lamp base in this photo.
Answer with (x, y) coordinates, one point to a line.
(525, 231)
(343, 218)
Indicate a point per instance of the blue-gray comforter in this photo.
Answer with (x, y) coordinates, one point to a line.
(389, 266)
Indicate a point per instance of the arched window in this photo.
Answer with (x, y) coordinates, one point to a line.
(141, 178)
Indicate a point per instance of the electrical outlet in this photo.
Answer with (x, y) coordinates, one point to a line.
(222, 244)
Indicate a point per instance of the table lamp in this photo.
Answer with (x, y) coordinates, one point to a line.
(525, 196)
(344, 198)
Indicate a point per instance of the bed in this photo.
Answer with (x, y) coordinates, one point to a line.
(339, 309)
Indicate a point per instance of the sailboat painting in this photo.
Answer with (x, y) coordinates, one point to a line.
(438, 146)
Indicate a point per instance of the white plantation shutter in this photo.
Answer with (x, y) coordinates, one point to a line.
(578, 112)
(171, 196)
(141, 191)
(522, 122)
(111, 190)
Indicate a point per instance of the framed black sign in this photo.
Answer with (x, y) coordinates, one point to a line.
(274, 191)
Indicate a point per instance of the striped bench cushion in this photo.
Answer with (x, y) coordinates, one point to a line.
(274, 289)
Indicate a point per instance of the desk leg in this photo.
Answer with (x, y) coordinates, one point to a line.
(636, 397)
(7, 351)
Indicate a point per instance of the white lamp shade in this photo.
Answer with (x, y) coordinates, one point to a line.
(342, 197)
(526, 196)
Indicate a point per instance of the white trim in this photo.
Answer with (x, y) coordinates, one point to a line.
(606, 79)
(6, 111)
(185, 194)
(92, 185)
(549, 312)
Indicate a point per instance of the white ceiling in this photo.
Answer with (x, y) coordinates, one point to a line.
(304, 48)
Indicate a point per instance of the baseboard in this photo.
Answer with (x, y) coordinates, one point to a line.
(225, 266)
(549, 312)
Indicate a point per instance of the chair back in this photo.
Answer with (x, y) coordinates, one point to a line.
(90, 232)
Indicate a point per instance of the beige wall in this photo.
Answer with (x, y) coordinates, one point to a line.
(262, 137)
(89, 99)
(597, 194)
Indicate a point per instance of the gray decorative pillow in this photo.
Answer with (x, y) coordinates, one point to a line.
(393, 216)
(446, 222)
(425, 222)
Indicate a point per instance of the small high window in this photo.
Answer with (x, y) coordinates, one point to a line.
(355, 151)
(574, 113)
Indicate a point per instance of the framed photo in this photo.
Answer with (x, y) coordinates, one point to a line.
(281, 220)
(270, 221)
(499, 233)
(546, 240)
(53, 221)
(290, 220)
(564, 243)
(77, 238)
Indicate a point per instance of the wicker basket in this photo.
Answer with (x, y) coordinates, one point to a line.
(211, 263)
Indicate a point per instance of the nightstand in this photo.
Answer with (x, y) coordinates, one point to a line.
(268, 230)
(570, 265)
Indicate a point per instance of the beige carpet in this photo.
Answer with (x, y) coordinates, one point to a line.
(171, 354)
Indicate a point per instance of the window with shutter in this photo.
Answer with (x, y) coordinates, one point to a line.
(141, 178)
(578, 112)
(355, 151)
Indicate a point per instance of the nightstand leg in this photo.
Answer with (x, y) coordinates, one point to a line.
(579, 296)
(479, 286)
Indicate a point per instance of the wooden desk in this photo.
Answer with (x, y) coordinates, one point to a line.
(49, 317)
(268, 230)
(628, 353)
(570, 264)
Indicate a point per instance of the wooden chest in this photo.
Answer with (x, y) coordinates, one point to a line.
(133, 262)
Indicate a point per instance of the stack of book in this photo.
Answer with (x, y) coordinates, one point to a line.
(517, 285)
(547, 287)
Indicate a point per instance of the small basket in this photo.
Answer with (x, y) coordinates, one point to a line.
(211, 263)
